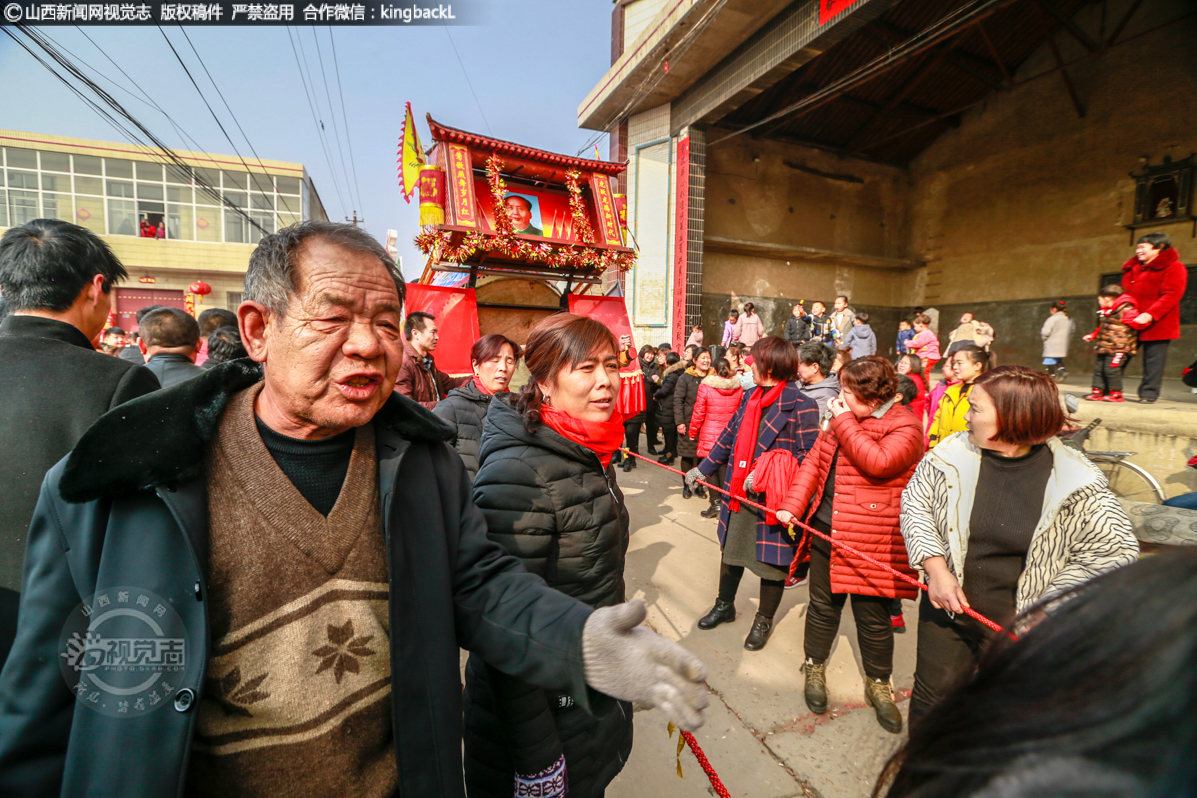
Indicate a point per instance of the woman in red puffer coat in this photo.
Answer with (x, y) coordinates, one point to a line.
(719, 395)
(851, 483)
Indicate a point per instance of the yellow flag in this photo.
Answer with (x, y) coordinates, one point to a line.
(411, 156)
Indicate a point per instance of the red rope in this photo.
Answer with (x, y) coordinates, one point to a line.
(904, 577)
(705, 764)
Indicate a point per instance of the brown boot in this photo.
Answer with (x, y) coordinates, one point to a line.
(879, 696)
(816, 686)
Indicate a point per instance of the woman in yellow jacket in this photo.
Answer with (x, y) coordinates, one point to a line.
(968, 363)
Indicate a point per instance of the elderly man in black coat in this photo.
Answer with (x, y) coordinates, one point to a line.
(256, 582)
(57, 281)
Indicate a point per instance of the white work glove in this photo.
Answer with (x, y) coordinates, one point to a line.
(633, 663)
(748, 481)
(692, 477)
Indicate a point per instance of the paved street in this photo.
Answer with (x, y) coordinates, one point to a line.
(759, 735)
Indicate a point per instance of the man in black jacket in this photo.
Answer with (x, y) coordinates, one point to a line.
(291, 551)
(57, 279)
(170, 340)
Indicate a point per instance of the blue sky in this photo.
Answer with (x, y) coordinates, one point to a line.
(530, 66)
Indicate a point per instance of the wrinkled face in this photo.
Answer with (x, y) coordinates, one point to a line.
(904, 365)
(703, 361)
(520, 213)
(858, 408)
(425, 340)
(586, 391)
(495, 374)
(1145, 252)
(966, 369)
(981, 419)
(332, 359)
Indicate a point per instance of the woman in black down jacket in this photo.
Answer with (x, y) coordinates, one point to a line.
(547, 488)
(684, 397)
(493, 358)
(674, 366)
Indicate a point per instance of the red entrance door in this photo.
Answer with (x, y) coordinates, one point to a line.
(131, 300)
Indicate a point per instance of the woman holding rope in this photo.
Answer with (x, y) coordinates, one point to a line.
(1008, 512)
(547, 487)
(851, 483)
(775, 416)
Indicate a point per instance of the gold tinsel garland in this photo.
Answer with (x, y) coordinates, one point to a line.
(506, 243)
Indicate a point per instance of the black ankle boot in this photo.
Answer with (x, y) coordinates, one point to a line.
(686, 492)
(762, 627)
(629, 463)
(722, 612)
(713, 510)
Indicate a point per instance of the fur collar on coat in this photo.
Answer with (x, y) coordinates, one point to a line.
(722, 383)
(161, 438)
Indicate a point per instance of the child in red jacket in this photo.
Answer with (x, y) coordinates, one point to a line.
(1117, 341)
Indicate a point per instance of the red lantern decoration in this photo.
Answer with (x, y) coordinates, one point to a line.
(199, 288)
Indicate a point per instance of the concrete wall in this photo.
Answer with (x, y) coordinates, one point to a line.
(1024, 203)
(774, 194)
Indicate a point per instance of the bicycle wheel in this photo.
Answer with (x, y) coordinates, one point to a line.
(1129, 481)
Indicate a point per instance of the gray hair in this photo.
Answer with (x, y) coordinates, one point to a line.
(272, 278)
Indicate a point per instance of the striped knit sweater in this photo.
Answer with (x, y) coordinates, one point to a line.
(297, 690)
(1082, 530)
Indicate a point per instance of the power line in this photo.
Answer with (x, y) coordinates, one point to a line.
(345, 117)
(227, 137)
(332, 114)
(157, 150)
(252, 176)
(183, 134)
(467, 77)
(311, 106)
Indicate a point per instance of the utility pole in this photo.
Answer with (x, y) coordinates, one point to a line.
(355, 220)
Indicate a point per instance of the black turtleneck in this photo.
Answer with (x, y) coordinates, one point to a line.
(1006, 510)
(316, 468)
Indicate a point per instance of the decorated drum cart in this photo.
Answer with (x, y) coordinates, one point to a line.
(512, 235)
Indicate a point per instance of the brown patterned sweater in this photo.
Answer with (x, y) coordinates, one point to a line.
(297, 691)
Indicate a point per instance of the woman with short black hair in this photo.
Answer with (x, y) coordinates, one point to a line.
(493, 358)
(775, 416)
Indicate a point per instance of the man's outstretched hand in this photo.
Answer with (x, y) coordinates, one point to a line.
(633, 663)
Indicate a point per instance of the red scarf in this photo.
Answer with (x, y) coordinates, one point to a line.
(600, 437)
(742, 453)
(478, 384)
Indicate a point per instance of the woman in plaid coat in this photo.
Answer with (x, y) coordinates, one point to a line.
(775, 415)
